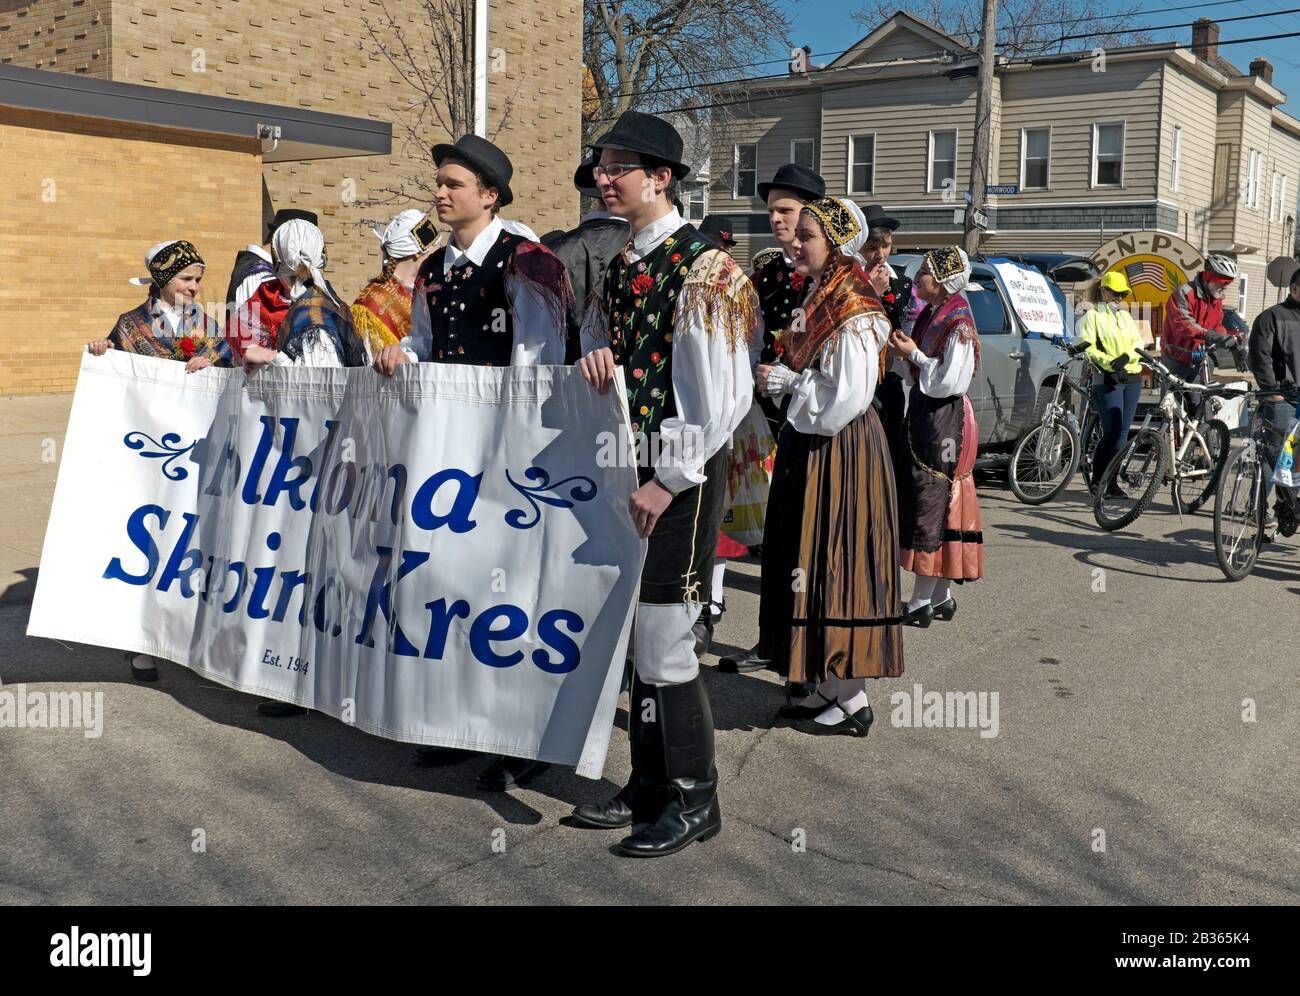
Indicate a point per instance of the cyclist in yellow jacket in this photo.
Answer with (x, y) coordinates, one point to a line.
(1113, 341)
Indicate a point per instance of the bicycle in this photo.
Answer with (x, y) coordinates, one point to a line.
(1048, 455)
(1188, 454)
(1240, 503)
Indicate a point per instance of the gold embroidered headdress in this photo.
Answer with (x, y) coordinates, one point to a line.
(837, 220)
(950, 266)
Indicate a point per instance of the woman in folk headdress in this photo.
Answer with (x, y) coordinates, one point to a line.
(831, 600)
(382, 311)
(317, 330)
(940, 529)
(170, 324)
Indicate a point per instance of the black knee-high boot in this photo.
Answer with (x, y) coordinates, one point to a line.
(643, 797)
(690, 809)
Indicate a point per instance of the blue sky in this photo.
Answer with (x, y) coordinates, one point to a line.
(827, 25)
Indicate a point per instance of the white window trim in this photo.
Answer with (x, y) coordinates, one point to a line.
(848, 179)
(1281, 201)
(1273, 199)
(1243, 295)
(1024, 155)
(1253, 164)
(800, 141)
(735, 169)
(929, 158)
(1123, 153)
(1176, 157)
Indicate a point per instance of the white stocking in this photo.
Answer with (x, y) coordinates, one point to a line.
(921, 592)
(940, 593)
(719, 570)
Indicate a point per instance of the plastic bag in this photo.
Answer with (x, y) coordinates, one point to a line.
(753, 455)
(1285, 473)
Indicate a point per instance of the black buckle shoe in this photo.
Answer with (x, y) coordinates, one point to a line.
(921, 616)
(945, 610)
(856, 725)
(506, 773)
(744, 661)
(792, 711)
(612, 814)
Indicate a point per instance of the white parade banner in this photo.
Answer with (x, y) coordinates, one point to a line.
(1031, 297)
(442, 557)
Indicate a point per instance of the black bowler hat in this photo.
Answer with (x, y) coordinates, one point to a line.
(288, 214)
(876, 218)
(648, 135)
(584, 179)
(800, 179)
(716, 227)
(483, 158)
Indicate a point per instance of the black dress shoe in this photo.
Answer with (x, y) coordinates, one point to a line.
(440, 757)
(945, 610)
(279, 710)
(744, 661)
(148, 672)
(612, 814)
(856, 725)
(792, 711)
(506, 773)
(921, 616)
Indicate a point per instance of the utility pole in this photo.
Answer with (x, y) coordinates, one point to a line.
(979, 164)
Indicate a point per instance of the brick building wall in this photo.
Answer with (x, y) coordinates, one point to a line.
(69, 240)
(314, 57)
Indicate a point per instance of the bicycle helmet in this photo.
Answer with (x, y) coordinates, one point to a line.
(1223, 267)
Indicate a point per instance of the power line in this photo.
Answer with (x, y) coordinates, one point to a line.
(1170, 27)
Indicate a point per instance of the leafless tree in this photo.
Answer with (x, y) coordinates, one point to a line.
(1025, 27)
(434, 56)
(664, 55)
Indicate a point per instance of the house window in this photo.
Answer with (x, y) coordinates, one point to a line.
(1176, 158)
(804, 152)
(1252, 179)
(1274, 202)
(1108, 154)
(1243, 294)
(746, 170)
(1035, 158)
(862, 164)
(943, 159)
(695, 201)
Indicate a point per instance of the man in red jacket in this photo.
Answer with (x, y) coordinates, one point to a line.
(1194, 319)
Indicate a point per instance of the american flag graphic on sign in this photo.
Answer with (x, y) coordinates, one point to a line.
(1147, 273)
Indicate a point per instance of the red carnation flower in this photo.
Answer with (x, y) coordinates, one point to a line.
(642, 283)
(654, 357)
(797, 280)
(188, 347)
(676, 257)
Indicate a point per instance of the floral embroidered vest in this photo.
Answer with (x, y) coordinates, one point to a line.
(640, 301)
(780, 290)
(469, 310)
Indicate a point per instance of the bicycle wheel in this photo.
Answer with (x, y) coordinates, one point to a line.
(1239, 514)
(1089, 437)
(1044, 461)
(1130, 482)
(1199, 470)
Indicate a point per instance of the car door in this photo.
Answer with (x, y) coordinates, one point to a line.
(993, 389)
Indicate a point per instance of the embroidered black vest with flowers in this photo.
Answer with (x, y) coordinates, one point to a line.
(780, 291)
(469, 310)
(640, 302)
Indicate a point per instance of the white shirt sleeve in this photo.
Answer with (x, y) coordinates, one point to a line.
(713, 385)
(418, 345)
(318, 351)
(839, 387)
(756, 344)
(949, 375)
(539, 329)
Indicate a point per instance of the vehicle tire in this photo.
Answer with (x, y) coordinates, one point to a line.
(1089, 437)
(1138, 470)
(1194, 494)
(1044, 461)
(1239, 513)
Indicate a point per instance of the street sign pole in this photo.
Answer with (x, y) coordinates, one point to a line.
(979, 166)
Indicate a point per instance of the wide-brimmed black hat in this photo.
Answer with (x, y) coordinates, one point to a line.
(584, 179)
(648, 135)
(289, 214)
(876, 218)
(715, 226)
(485, 159)
(800, 179)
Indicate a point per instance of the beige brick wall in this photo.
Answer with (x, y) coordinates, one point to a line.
(312, 56)
(84, 200)
(66, 36)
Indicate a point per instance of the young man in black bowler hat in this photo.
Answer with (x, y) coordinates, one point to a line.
(780, 292)
(489, 297)
(586, 251)
(678, 316)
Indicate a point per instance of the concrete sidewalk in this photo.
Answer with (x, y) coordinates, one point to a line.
(31, 442)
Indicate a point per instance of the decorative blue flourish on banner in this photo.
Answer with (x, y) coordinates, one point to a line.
(169, 451)
(518, 517)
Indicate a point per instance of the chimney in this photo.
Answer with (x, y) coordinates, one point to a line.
(1262, 68)
(1205, 39)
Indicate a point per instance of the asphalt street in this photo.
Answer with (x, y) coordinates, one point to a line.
(1127, 766)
